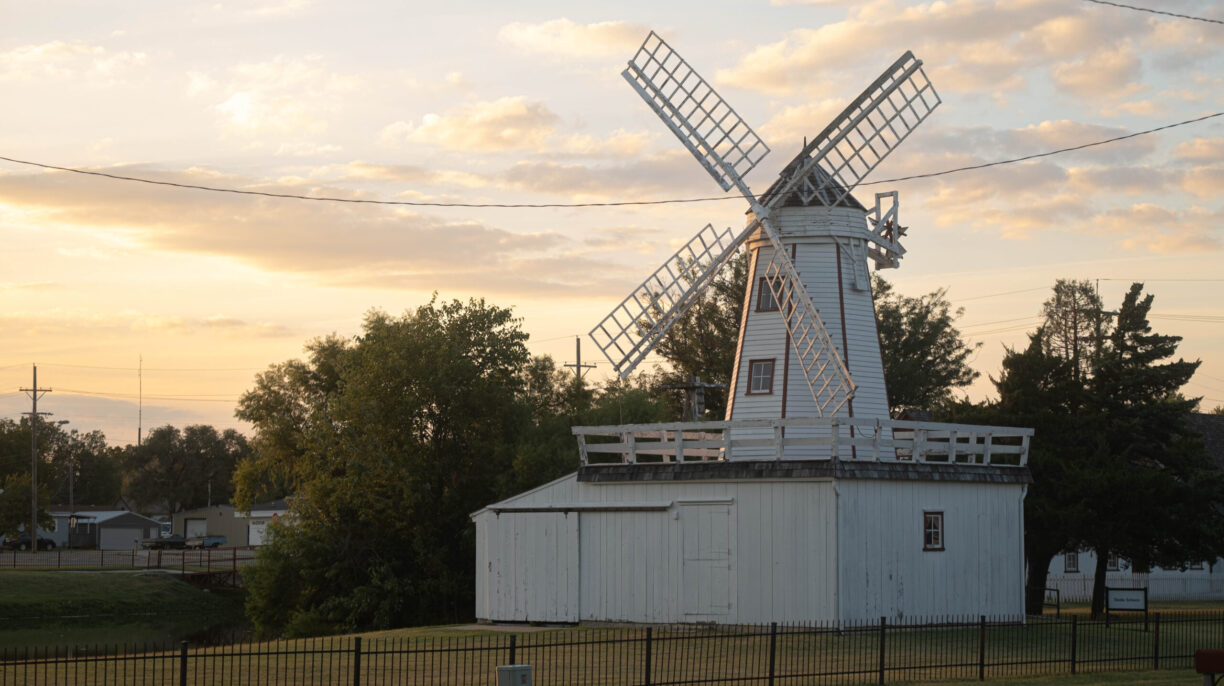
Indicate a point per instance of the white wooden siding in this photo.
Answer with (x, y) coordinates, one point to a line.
(813, 234)
(884, 571)
(529, 565)
(800, 550)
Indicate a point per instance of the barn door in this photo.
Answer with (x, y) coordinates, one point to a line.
(707, 562)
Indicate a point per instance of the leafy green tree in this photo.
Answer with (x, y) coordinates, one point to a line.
(183, 469)
(924, 356)
(420, 429)
(1153, 495)
(15, 473)
(94, 467)
(285, 399)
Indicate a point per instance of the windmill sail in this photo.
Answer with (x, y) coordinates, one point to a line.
(720, 140)
(633, 328)
(834, 162)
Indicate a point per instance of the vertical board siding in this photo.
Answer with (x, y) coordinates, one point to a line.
(530, 565)
(886, 573)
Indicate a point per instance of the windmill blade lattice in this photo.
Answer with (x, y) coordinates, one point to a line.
(834, 162)
(633, 328)
(720, 140)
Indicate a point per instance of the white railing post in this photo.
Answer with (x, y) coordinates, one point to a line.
(680, 445)
(582, 451)
(1024, 449)
(953, 439)
(777, 427)
(987, 440)
(919, 445)
(875, 442)
(835, 434)
(630, 441)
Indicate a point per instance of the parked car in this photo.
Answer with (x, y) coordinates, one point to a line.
(205, 541)
(22, 542)
(173, 541)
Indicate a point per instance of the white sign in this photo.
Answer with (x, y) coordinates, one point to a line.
(1125, 599)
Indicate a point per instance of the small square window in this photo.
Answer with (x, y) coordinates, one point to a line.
(1071, 563)
(765, 297)
(760, 377)
(1111, 563)
(932, 531)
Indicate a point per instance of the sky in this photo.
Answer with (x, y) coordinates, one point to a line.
(146, 305)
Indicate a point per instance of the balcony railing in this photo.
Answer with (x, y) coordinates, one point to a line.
(838, 438)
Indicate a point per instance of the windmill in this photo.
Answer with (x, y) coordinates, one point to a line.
(808, 208)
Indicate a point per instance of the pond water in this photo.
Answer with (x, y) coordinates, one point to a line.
(93, 634)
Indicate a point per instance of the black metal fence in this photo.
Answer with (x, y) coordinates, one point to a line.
(207, 559)
(656, 656)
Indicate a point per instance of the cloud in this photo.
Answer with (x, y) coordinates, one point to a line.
(1146, 226)
(793, 124)
(1111, 73)
(565, 38)
(510, 123)
(1202, 149)
(100, 325)
(62, 60)
(1206, 182)
(329, 243)
(279, 102)
(967, 45)
(1129, 180)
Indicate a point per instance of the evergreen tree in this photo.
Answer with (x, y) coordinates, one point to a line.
(1151, 493)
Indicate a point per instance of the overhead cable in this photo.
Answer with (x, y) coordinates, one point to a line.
(1148, 9)
(623, 203)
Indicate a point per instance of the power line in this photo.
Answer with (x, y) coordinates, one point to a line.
(155, 369)
(624, 203)
(1146, 9)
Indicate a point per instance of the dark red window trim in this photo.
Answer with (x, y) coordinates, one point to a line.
(927, 544)
(773, 367)
(763, 292)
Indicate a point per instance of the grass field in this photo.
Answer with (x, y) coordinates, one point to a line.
(1036, 653)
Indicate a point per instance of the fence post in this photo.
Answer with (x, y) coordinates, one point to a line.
(1074, 632)
(357, 661)
(59, 558)
(981, 647)
(647, 666)
(773, 650)
(883, 627)
(182, 663)
(1156, 642)
(512, 644)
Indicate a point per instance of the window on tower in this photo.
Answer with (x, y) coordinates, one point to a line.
(760, 377)
(932, 531)
(765, 297)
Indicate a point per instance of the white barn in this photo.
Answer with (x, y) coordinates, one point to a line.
(745, 542)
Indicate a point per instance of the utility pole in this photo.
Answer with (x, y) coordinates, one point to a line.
(694, 395)
(35, 393)
(579, 367)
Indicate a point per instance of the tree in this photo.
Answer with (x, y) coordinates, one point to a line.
(1074, 323)
(923, 354)
(1218, 409)
(1039, 390)
(703, 342)
(183, 469)
(284, 400)
(418, 430)
(1153, 495)
(92, 465)
(15, 473)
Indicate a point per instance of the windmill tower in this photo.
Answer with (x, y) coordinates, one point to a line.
(808, 345)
